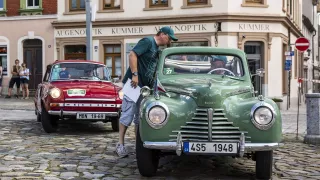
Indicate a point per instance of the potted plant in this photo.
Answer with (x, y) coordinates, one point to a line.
(278, 101)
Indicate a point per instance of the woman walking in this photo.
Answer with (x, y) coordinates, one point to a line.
(24, 78)
(1, 72)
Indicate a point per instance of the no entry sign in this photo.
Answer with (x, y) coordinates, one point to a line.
(302, 44)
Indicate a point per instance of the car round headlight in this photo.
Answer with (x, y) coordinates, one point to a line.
(263, 115)
(55, 93)
(157, 115)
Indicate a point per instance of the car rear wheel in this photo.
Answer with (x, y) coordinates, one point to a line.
(49, 122)
(264, 162)
(147, 159)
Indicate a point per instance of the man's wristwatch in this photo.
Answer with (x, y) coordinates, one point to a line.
(135, 73)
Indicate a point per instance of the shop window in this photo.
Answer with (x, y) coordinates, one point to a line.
(111, 4)
(158, 3)
(112, 56)
(196, 4)
(75, 52)
(1, 4)
(32, 4)
(254, 3)
(3, 59)
(77, 5)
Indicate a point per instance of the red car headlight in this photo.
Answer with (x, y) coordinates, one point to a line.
(120, 94)
(55, 93)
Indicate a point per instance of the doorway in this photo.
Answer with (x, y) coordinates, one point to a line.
(32, 56)
(254, 51)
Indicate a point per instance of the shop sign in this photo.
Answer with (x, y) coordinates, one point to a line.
(137, 30)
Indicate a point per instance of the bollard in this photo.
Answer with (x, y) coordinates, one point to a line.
(313, 119)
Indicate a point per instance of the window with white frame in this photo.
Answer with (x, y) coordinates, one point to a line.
(1, 4)
(4, 60)
(32, 4)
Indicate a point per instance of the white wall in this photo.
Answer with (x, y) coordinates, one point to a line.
(275, 68)
(133, 9)
(274, 8)
(226, 41)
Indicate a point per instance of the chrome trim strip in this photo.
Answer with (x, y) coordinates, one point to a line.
(210, 117)
(248, 147)
(242, 144)
(74, 113)
(89, 99)
(88, 105)
(160, 145)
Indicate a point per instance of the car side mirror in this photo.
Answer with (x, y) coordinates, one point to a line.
(259, 72)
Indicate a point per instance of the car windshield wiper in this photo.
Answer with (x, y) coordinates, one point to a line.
(233, 77)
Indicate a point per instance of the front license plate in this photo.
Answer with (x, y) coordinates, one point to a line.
(210, 147)
(90, 116)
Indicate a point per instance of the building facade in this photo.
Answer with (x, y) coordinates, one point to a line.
(310, 61)
(262, 28)
(26, 34)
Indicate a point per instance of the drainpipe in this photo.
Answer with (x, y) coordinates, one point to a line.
(314, 3)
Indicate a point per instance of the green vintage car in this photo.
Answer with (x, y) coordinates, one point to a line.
(203, 103)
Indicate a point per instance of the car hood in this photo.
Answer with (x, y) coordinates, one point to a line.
(96, 89)
(207, 92)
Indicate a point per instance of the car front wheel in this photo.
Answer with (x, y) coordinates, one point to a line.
(147, 159)
(49, 122)
(115, 124)
(264, 162)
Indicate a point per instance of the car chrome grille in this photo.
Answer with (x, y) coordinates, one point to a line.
(198, 129)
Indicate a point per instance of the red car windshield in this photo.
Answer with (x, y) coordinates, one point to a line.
(87, 71)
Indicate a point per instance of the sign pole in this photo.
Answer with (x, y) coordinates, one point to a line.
(88, 30)
(299, 89)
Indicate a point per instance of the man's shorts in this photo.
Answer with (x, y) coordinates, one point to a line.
(14, 80)
(130, 111)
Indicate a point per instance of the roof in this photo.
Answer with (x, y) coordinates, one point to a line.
(203, 49)
(76, 61)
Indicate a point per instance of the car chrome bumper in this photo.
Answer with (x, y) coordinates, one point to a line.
(74, 113)
(243, 147)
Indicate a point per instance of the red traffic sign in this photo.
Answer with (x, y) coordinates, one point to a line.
(302, 44)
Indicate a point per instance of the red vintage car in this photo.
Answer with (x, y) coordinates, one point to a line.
(77, 90)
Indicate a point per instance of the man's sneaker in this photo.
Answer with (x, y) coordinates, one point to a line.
(121, 150)
(7, 97)
(17, 96)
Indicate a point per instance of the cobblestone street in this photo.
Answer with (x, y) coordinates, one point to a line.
(86, 152)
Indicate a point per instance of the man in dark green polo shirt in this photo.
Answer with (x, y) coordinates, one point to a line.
(142, 60)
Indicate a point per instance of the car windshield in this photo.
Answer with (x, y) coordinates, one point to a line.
(203, 64)
(87, 71)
